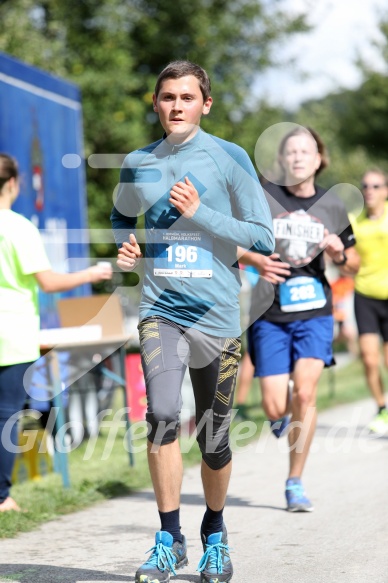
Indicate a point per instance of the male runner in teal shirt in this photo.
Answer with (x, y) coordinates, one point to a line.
(201, 199)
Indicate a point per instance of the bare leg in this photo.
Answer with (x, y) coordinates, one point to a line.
(386, 355)
(370, 354)
(274, 390)
(166, 471)
(215, 485)
(245, 378)
(306, 376)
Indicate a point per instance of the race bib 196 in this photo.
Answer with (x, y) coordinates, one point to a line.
(301, 293)
(184, 254)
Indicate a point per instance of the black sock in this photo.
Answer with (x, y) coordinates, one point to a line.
(212, 521)
(381, 409)
(170, 522)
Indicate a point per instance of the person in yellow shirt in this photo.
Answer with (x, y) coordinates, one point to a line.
(371, 287)
(24, 267)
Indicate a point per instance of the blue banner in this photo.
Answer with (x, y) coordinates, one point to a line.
(41, 126)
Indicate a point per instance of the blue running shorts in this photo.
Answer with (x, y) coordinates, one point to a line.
(275, 347)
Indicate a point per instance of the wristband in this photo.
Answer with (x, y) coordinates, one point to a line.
(343, 260)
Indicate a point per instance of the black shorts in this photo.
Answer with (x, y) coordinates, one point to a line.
(371, 315)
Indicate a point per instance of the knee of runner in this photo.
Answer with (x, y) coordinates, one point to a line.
(162, 428)
(216, 452)
(305, 396)
(371, 360)
(273, 411)
(218, 459)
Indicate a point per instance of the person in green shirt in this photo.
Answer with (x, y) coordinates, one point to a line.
(24, 267)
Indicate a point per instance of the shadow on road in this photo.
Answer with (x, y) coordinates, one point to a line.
(51, 574)
(198, 500)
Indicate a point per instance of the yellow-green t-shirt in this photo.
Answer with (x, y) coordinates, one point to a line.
(372, 246)
(21, 255)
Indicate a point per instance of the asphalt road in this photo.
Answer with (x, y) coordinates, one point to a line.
(345, 540)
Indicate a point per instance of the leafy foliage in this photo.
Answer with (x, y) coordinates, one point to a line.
(347, 161)
(114, 50)
(354, 124)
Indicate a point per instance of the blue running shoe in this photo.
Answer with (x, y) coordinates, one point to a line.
(297, 500)
(279, 426)
(215, 565)
(166, 557)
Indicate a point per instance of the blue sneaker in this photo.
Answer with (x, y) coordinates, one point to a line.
(297, 500)
(279, 426)
(166, 557)
(215, 565)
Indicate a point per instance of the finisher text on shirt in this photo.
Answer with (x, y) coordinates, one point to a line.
(291, 229)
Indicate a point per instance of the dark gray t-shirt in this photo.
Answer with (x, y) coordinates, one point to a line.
(299, 226)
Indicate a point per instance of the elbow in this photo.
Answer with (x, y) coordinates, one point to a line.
(46, 282)
(353, 263)
(47, 288)
(352, 269)
(271, 245)
(264, 248)
(263, 242)
(356, 266)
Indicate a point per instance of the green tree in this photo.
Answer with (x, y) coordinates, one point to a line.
(347, 161)
(365, 111)
(353, 123)
(114, 49)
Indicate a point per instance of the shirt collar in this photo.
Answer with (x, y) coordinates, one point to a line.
(184, 146)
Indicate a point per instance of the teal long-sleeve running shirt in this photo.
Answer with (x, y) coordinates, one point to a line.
(191, 273)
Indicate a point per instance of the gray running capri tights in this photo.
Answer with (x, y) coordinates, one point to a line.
(167, 348)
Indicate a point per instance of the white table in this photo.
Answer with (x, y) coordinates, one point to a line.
(106, 345)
